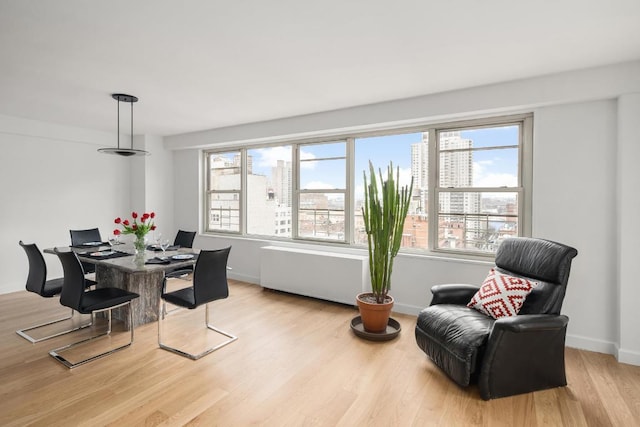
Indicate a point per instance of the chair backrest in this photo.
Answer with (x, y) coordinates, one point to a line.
(543, 261)
(74, 284)
(79, 237)
(37, 268)
(210, 276)
(185, 238)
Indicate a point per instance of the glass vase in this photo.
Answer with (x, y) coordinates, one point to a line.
(140, 245)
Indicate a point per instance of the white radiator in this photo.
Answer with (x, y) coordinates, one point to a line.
(326, 275)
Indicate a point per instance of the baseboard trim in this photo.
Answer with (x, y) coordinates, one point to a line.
(407, 309)
(627, 356)
(243, 277)
(590, 344)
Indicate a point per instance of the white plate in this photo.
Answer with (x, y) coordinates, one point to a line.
(182, 256)
(92, 243)
(101, 253)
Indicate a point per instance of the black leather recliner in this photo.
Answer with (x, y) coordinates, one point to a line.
(510, 355)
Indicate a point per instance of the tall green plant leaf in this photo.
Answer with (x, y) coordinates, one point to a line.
(384, 211)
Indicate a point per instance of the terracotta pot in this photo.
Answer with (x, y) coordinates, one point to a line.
(375, 317)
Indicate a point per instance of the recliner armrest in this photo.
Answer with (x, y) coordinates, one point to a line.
(453, 294)
(530, 323)
(524, 353)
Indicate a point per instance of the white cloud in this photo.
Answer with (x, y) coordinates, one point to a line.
(484, 177)
(405, 176)
(496, 180)
(269, 156)
(305, 155)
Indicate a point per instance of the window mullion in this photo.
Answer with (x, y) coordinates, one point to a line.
(243, 191)
(295, 192)
(432, 184)
(526, 176)
(349, 203)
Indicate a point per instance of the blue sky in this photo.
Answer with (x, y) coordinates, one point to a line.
(494, 167)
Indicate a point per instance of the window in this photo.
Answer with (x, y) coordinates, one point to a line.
(269, 190)
(410, 153)
(321, 196)
(479, 187)
(223, 191)
(470, 188)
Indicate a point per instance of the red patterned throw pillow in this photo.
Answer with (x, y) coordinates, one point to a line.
(501, 295)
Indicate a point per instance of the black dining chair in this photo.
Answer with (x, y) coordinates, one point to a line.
(37, 283)
(82, 237)
(184, 239)
(209, 284)
(74, 296)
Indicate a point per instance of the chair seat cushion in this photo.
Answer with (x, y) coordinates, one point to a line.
(182, 297)
(454, 337)
(52, 287)
(103, 298)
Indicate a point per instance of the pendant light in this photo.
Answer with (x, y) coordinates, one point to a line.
(126, 152)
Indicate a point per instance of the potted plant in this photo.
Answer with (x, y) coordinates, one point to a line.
(385, 208)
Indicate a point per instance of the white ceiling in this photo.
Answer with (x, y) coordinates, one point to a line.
(202, 64)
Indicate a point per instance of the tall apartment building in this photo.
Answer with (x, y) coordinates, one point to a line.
(420, 173)
(281, 182)
(455, 170)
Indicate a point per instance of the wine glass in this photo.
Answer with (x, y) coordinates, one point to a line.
(157, 237)
(164, 244)
(113, 240)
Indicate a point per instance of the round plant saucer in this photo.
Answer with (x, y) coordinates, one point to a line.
(393, 330)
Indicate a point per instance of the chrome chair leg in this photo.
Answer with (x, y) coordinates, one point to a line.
(55, 353)
(23, 332)
(163, 313)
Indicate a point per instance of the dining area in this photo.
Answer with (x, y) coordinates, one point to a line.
(115, 285)
(140, 270)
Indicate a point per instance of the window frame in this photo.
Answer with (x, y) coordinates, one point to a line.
(275, 235)
(208, 191)
(525, 167)
(298, 191)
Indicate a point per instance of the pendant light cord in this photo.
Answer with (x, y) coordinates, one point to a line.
(126, 152)
(118, 124)
(131, 125)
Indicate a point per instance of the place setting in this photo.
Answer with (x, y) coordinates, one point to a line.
(169, 259)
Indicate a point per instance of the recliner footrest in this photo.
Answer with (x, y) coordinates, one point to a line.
(453, 337)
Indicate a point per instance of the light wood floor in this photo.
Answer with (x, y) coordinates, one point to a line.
(296, 363)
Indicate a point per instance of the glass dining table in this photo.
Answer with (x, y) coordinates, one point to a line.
(144, 275)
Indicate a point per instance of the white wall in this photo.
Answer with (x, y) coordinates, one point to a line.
(186, 191)
(575, 175)
(628, 231)
(52, 180)
(574, 202)
(153, 175)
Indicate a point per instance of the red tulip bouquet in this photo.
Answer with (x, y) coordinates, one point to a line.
(139, 229)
